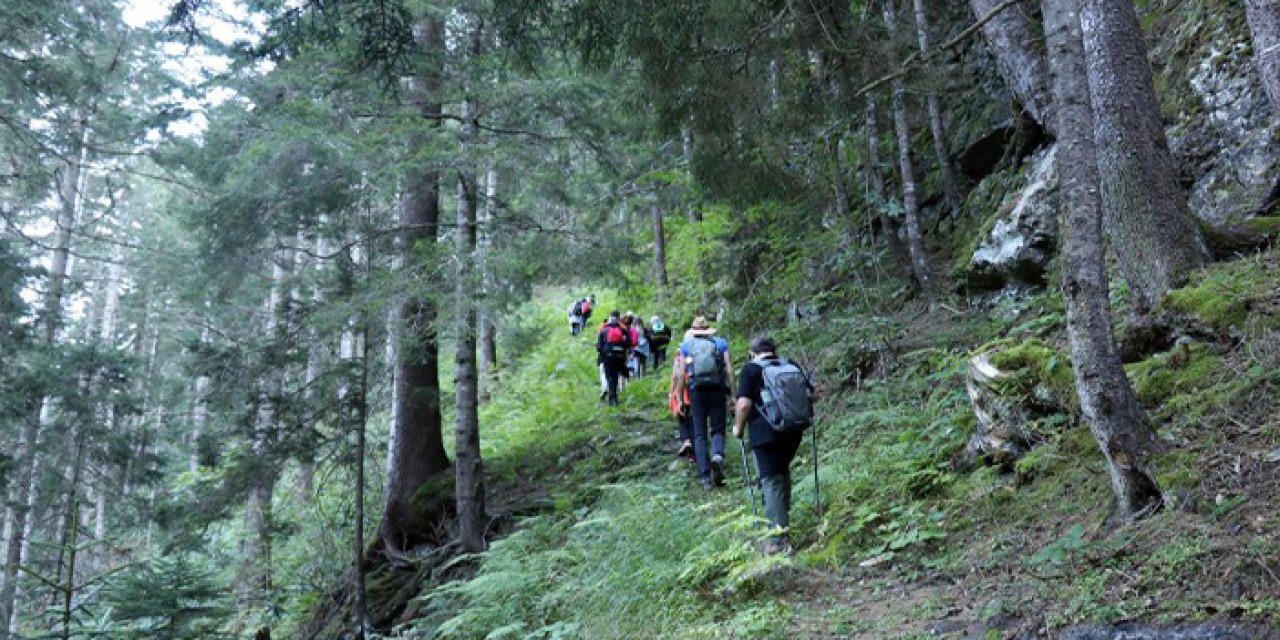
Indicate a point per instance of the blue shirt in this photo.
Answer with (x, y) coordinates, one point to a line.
(722, 347)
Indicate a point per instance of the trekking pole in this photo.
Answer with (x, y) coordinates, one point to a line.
(817, 499)
(746, 466)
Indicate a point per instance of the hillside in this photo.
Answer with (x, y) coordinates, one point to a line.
(285, 290)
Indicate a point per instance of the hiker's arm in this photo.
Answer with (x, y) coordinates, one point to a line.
(741, 410)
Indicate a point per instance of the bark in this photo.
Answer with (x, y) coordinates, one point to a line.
(906, 168)
(255, 581)
(659, 248)
(1264, 26)
(468, 467)
(488, 330)
(937, 126)
(353, 408)
(416, 451)
(18, 521)
(199, 411)
(107, 412)
(1011, 37)
(877, 195)
(1107, 400)
(840, 187)
(1156, 238)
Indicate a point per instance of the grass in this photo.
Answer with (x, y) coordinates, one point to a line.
(622, 546)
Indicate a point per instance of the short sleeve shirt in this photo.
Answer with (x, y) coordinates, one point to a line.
(751, 386)
(722, 347)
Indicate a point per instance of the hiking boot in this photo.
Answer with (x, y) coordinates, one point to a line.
(604, 393)
(717, 470)
(706, 484)
(686, 450)
(775, 546)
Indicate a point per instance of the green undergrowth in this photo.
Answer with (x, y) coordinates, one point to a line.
(647, 560)
(1235, 296)
(623, 546)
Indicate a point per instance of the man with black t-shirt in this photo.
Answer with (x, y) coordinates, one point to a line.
(773, 450)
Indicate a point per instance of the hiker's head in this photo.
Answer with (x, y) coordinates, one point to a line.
(614, 315)
(699, 324)
(655, 320)
(763, 346)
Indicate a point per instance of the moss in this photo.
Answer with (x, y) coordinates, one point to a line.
(983, 206)
(1035, 363)
(1179, 471)
(1226, 296)
(1166, 377)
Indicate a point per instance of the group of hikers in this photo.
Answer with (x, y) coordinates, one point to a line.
(625, 345)
(772, 406)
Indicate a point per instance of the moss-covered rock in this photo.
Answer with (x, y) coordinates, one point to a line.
(1221, 130)
(1018, 236)
(1187, 368)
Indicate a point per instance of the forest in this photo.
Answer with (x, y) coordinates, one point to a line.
(286, 289)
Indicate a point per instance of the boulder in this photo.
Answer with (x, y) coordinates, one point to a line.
(1224, 132)
(1016, 248)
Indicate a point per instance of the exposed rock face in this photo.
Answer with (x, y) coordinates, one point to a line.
(1020, 243)
(1224, 134)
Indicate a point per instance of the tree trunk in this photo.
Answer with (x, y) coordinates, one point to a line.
(488, 330)
(416, 450)
(18, 522)
(937, 126)
(839, 185)
(910, 201)
(468, 466)
(353, 352)
(1156, 238)
(659, 248)
(878, 195)
(255, 582)
(1107, 401)
(1264, 26)
(1011, 37)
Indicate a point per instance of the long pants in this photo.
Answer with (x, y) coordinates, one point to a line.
(709, 413)
(659, 356)
(773, 461)
(575, 326)
(613, 368)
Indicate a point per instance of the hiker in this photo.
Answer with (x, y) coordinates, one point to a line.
(659, 338)
(628, 325)
(640, 356)
(786, 394)
(679, 402)
(612, 344)
(576, 320)
(705, 358)
(587, 303)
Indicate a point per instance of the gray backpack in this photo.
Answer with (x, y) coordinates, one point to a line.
(706, 365)
(786, 404)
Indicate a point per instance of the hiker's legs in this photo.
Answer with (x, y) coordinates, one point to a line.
(604, 380)
(613, 368)
(701, 412)
(773, 462)
(659, 355)
(718, 411)
(708, 420)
